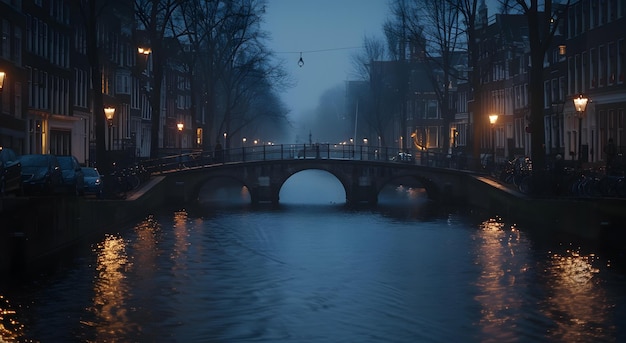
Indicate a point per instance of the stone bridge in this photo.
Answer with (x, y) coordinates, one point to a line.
(362, 180)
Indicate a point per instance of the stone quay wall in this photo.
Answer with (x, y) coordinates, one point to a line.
(35, 228)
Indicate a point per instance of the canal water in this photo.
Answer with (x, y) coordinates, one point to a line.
(313, 270)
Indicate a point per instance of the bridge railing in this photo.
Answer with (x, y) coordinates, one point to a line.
(297, 151)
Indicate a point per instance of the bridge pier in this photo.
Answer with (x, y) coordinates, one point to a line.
(363, 190)
(264, 194)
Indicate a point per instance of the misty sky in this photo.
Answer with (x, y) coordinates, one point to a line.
(337, 27)
(309, 26)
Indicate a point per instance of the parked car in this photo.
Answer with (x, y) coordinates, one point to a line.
(403, 157)
(73, 178)
(41, 173)
(10, 172)
(93, 181)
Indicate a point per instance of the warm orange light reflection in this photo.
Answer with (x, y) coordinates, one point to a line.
(411, 193)
(245, 193)
(500, 260)
(577, 304)
(145, 246)
(11, 330)
(110, 289)
(180, 234)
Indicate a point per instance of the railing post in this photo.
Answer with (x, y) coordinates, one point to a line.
(263, 152)
(281, 152)
(243, 153)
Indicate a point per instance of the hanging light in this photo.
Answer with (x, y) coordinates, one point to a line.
(300, 61)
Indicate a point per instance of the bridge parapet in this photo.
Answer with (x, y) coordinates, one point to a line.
(362, 179)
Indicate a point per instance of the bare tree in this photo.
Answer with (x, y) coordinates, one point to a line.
(543, 22)
(468, 10)
(233, 69)
(397, 34)
(434, 28)
(373, 50)
(374, 103)
(90, 10)
(154, 17)
(92, 13)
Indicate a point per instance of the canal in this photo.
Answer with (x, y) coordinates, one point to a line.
(313, 270)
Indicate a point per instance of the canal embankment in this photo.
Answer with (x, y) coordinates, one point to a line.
(34, 228)
(597, 218)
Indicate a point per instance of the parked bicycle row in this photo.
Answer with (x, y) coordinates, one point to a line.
(124, 180)
(561, 181)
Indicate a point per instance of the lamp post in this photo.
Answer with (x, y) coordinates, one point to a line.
(180, 127)
(580, 103)
(109, 112)
(2, 76)
(557, 109)
(493, 118)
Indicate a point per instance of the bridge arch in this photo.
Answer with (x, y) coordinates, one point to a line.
(221, 189)
(326, 185)
(195, 186)
(345, 183)
(431, 188)
(362, 180)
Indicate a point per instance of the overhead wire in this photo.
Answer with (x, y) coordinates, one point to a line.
(301, 60)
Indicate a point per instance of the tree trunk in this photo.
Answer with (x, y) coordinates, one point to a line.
(102, 162)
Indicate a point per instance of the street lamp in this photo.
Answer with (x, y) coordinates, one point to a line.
(144, 51)
(180, 127)
(580, 103)
(2, 76)
(493, 118)
(109, 112)
(225, 140)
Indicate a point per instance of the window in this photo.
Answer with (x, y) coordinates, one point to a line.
(123, 83)
(612, 64)
(17, 45)
(602, 66)
(547, 98)
(5, 40)
(585, 72)
(60, 142)
(593, 67)
(431, 110)
(432, 136)
(621, 60)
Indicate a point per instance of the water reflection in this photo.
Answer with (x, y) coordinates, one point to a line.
(576, 301)
(180, 238)
(503, 260)
(11, 329)
(320, 273)
(110, 290)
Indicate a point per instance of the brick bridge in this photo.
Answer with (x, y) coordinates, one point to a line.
(363, 175)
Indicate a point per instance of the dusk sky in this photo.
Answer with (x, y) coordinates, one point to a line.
(327, 32)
